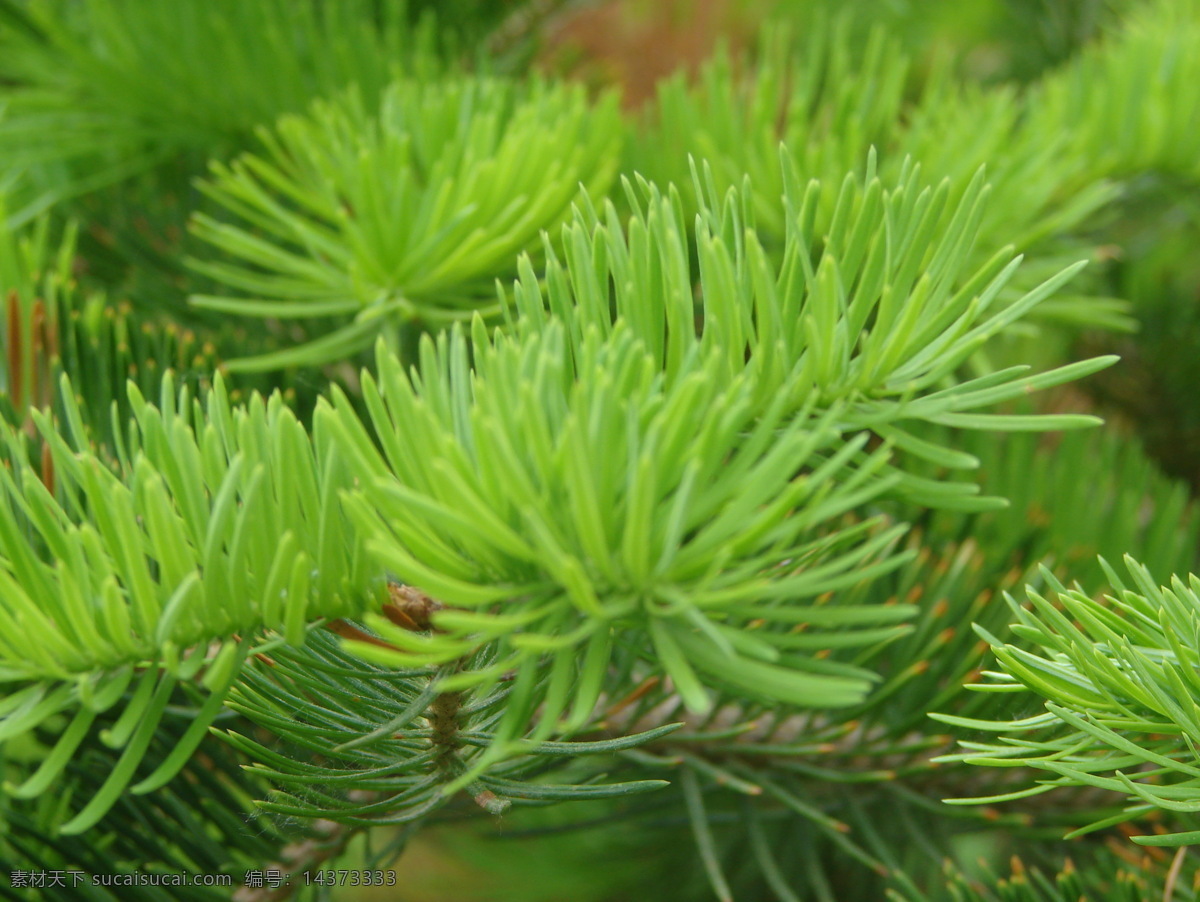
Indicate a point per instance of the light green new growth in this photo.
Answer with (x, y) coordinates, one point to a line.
(378, 221)
(1120, 684)
(216, 523)
(558, 492)
(829, 98)
(671, 493)
(1129, 104)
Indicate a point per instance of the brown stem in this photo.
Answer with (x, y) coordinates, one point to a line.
(443, 723)
(413, 610)
(410, 608)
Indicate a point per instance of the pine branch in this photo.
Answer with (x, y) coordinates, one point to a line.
(1116, 679)
(401, 214)
(202, 822)
(1127, 102)
(660, 488)
(216, 524)
(104, 90)
(838, 95)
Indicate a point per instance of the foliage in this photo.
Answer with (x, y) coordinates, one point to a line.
(1119, 690)
(82, 111)
(830, 102)
(694, 441)
(404, 218)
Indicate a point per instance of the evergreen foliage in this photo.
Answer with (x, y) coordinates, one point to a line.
(694, 491)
